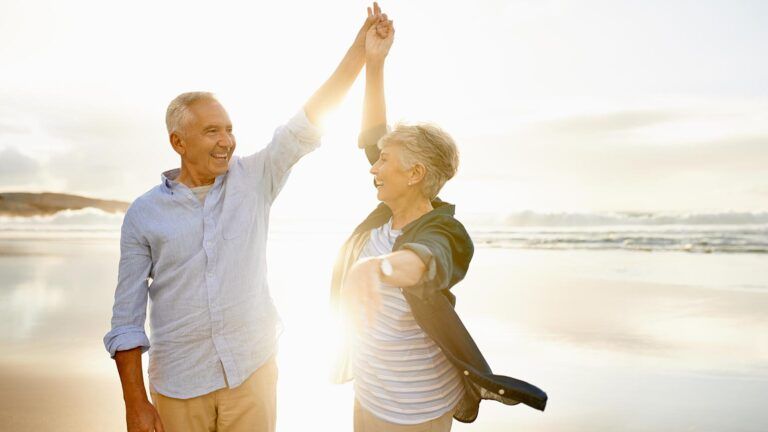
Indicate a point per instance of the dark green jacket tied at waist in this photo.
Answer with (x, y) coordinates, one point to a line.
(446, 249)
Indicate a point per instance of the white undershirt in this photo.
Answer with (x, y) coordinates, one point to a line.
(201, 191)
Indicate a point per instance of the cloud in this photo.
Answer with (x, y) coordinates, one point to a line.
(723, 140)
(525, 156)
(96, 148)
(8, 128)
(760, 190)
(619, 171)
(17, 168)
(609, 122)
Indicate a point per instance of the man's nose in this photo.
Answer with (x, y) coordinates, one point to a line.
(227, 141)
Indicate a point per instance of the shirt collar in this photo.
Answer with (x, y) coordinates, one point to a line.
(168, 179)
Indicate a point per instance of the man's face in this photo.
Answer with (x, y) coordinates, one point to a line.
(207, 139)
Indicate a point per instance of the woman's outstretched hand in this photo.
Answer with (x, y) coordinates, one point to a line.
(360, 292)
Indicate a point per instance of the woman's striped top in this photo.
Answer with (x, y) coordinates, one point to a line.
(401, 375)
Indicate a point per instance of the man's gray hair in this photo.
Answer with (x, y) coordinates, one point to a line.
(430, 146)
(178, 110)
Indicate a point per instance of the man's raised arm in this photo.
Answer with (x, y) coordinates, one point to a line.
(336, 87)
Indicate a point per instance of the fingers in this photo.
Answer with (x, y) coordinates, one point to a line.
(347, 298)
(159, 425)
(381, 26)
(385, 30)
(377, 14)
(360, 292)
(356, 308)
(362, 299)
(351, 311)
(370, 311)
(375, 305)
(374, 16)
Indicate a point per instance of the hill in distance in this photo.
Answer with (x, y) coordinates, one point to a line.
(49, 203)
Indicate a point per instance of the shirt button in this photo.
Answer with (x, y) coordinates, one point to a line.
(466, 373)
(501, 391)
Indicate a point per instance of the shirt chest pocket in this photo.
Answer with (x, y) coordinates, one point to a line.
(238, 216)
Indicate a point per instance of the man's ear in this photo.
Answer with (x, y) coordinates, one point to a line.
(177, 143)
(417, 173)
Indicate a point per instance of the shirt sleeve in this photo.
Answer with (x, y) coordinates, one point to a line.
(130, 308)
(446, 250)
(270, 167)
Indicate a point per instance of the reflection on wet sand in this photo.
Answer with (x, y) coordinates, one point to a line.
(620, 340)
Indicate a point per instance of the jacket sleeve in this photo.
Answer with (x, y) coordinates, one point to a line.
(369, 140)
(446, 249)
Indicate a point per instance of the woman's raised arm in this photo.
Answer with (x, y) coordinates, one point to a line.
(374, 124)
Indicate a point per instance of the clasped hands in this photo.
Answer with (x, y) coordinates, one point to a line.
(376, 35)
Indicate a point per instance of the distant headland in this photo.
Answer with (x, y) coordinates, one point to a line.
(49, 203)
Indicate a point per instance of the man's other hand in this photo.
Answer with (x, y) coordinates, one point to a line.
(143, 417)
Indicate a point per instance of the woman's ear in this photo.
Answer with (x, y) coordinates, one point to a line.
(417, 173)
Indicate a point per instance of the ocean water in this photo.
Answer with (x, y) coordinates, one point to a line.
(620, 339)
(698, 233)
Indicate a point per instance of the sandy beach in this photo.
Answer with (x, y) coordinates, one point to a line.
(624, 341)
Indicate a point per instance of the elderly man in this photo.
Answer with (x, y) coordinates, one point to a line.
(195, 245)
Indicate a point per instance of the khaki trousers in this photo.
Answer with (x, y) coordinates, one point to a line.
(250, 407)
(367, 422)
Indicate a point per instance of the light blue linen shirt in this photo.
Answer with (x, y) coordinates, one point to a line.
(203, 268)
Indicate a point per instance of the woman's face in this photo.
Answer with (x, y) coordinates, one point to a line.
(390, 177)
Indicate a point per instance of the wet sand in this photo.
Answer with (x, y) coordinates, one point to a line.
(625, 341)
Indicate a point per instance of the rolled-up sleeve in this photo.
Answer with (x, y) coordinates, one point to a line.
(130, 308)
(446, 250)
(290, 142)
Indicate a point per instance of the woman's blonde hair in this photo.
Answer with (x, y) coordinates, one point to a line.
(430, 146)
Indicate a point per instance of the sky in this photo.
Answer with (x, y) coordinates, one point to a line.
(595, 105)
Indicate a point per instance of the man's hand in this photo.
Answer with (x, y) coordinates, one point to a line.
(140, 415)
(379, 40)
(361, 290)
(143, 417)
(334, 88)
(374, 17)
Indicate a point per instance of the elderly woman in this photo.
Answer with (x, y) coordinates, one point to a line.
(414, 364)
